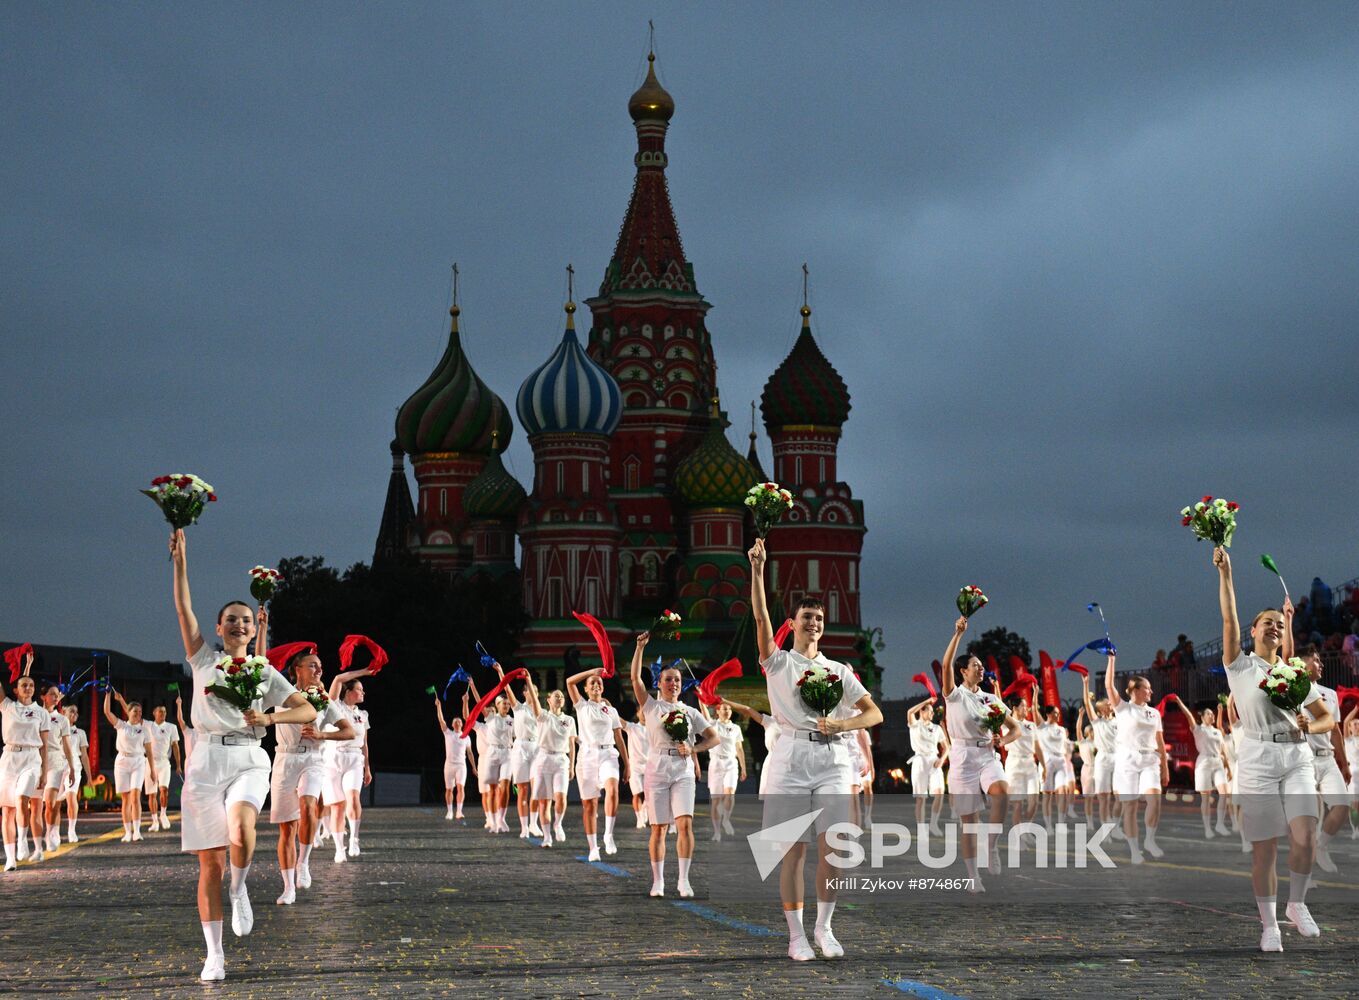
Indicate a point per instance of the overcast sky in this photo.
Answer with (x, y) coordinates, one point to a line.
(1078, 263)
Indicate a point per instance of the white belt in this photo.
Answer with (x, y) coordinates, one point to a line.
(1290, 736)
(21, 747)
(132, 755)
(234, 740)
(602, 746)
(1323, 753)
(977, 742)
(553, 753)
(816, 737)
(299, 749)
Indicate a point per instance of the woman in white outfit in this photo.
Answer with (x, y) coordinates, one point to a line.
(457, 754)
(975, 774)
(726, 768)
(1276, 775)
(134, 757)
(670, 780)
(300, 771)
(495, 736)
(349, 772)
(602, 746)
(24, 725)
(638, 746)
(1052, 739)
(227, 779)
(554, 763)
(809, 767)
(1141, 768)
(61, 761)
(929, 746)
(1105, 732)
(70, 791)
(1330, 761)
(164, 745)
(772, 732)
(1022, 762)
(523, 748)
(1210, 766)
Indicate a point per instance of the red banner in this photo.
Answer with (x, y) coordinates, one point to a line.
(1049, 673)
(707, 688)
(475, 715)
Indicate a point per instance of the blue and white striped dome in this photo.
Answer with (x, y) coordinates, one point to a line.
(570, 393)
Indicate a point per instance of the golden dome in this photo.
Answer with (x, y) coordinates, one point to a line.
(652, 101)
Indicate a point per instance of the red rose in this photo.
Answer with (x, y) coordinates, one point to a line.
(238, 659)
(1187, 520)
(233, 669)
(833, 678)
(183, 482)
(1233, 505)
(207, 690)
(212, 497)
(1207, 499)
(799, 683)
(159, 480)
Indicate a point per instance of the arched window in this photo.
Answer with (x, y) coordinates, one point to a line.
(443, 502)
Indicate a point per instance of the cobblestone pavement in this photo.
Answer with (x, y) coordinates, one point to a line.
(434, 908)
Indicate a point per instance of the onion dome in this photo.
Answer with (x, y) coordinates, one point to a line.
(715, 474)
(651, 102)
(805, 389)
(494, 493)
(570, 393)
(454, 410)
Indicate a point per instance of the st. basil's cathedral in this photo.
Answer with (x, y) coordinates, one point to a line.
(637, 502)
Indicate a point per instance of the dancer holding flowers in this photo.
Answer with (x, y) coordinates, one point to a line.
(602, 747)
(1278, 707)
(22, 765)
(809, 768)
(672, 729)
(457, 754)
(976, 719)
(228, 775)
(135, 747)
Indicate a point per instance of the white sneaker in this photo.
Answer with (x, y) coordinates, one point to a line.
(448, 814)
(354, 847)
(936, 830)
(339, 854)
(242, 916)
(535, 829)
(547, 839)
(727, 827)
(124, 839)
(825, 940)
(1299, 916)
(1222, 830)
(214, 970)
(137, 835)
(641, 822)
(1207, 833)
(1323, 860)
(164, 820)
(524, 834)
(717, 836)
(594, 854)
(686, 890)
(1271, 939)
(993, 864)
(155, 825)
(798, 949)
(1153, 848)
(23, 849)
(37, 856)
(11, 865)
(657, 889)
(304, 875)
(559, 834)
(71, 838)
(53, 839)
(288, 898)
(610, 847)
(1135, 852)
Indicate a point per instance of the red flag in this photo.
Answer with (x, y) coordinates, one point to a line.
(924, 679)
(1344, 694)
(352, 642)
(992, 666)
(15, 658)
(707, 688)
(1161, 705)
(490, 696)
(1076, 668)
(279, 656)
(601, 640)
(1050, 693)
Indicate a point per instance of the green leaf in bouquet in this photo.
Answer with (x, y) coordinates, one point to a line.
(228, 694)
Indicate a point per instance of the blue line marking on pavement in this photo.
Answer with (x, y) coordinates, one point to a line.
(923, 990)
(611, 869)
(721, 918)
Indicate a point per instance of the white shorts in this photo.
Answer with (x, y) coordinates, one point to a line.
(1330, 783)
(636, 777)
(723, 775)
(1057, 776)
(521, 761)
(1354, 780)
(972, 772)
(1104, 773)
(129, 772)
(295, 775)
(343, 775)
(55, 778)
(159, 778)
(856, 766)
(925, 775)
(71, 784)
(1209, 774)
(1277, 783)
(20, 775)
(669, 793)
(494, 767)
(1137, 772)
(1023, 780)
(806, 775)
(593, 769)
(549, 774)
(218, 777)
(1087, 778)
(455, 773)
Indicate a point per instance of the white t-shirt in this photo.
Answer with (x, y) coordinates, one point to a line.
(925, 739)
(1021, 750)
(358, 718)
(555, 731)
(1137, 726)
(596, 721)
(1259, 715)
(162, 735)
(773, 732)
(1352, 753)
(729, 737)
(784, 669)
(213, 716)
(79, 743)
(1322, 741)
(131, 739)
(965, 708)
(289, 734)
(1106, 734)
(1208, 742)
(24, 725)
(525, 723)
(495, 732)
(455, 746)
(1053, 739)
(638, 744)
(654, 712)
(1086, 748)
(59, 729)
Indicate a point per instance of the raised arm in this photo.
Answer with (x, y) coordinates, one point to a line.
(337, 685)
(439, 714)
(639, 690)
(179, 715)
(575, 680)
(108, 709)
(1188, 715)
(1226, 599)
(1110, 684)
(745, 710)
(1289, 644)
(188, 622)
(959, 627)
(261, 629)
(1087, 702)
(509, 688)
(759, 608)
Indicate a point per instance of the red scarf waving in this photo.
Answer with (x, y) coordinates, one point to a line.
(15, 658)
(352, 642)
(490, 696)
(601, 640)
(707, 688)
(279, 656)
(922, 678)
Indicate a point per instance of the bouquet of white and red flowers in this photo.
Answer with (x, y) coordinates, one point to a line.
(263, 582)
(666, 626)
(821, 690)
(676, 725)
(240, 681)
(318, 698)
(1213, 520)
(971, 600)
(768, 502)
(992, 718)
(180, 498)
(1287, 684)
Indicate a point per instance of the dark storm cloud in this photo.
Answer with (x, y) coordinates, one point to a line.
(1077, 264)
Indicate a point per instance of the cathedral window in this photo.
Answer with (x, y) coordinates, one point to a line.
(813, 575)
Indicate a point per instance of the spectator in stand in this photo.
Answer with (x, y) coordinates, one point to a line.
(1160, 663)
(1183, 653)
(1349, 652)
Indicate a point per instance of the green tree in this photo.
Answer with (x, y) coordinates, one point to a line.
(1001, 643)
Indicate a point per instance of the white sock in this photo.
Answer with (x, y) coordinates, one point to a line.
(684, 864)
(1297, 886)
(289, 879)
(523, 824)
(238, 879)
(304, 855)
(1267, 915)
(338, 837)
(11, 854)
(353, 829)
(608, 826)
(658, 871)
(127, 828)
(590, 839)
(137, 827)
(794, 918)
(70, 827)
(212, 936)
(824, 909)
(1323, 838)
(971, 864)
